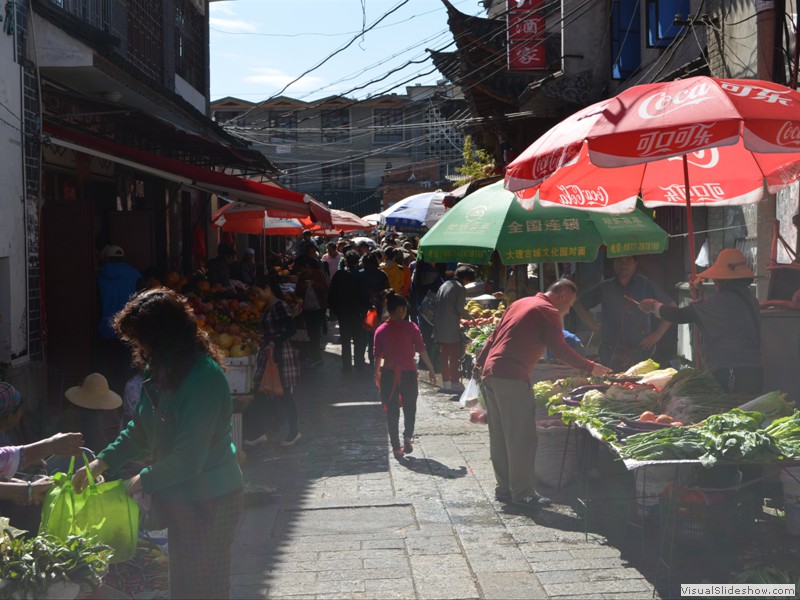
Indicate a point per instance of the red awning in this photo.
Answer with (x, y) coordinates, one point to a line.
(278, 201)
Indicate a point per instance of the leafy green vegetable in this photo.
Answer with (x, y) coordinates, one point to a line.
(786, 431)
(29, 567)
(669, 443)
(736, 435)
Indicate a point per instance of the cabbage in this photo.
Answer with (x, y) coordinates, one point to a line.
(658, 378)
(643, 367)
(772, 406)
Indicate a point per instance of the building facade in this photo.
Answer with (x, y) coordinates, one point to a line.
(352, 153)
(106, 141)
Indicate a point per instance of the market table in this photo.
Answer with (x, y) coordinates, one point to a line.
(687, 513)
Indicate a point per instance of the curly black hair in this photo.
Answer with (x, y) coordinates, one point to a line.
(161, 329)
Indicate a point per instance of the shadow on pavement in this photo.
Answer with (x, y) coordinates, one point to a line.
(428, 466)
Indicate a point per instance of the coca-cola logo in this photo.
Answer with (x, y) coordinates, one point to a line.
(702, 159)
(788, 134)
(677, 139)
(572, 195)
(547, 164)
(704, 193)
(662, 103)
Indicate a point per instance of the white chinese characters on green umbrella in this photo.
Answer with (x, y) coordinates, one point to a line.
(491, 219)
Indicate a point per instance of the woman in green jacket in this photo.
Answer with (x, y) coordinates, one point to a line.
(183, 423)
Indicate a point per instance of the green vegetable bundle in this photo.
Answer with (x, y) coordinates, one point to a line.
(787, 433)
(29, 567)
(737, 436)
(669, 443)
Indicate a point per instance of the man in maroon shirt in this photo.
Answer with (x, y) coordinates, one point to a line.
(528, 327)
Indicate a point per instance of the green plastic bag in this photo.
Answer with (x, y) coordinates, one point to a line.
(102, 511)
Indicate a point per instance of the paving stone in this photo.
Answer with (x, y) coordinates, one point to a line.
(620, 573)
(539, 557)
(443, 576)
(374, 553)
(511, 586)
(322, 544)
(439, 544)
(597, 587)
(630, 595)
(401, 571)
(324, 565)
(572, 576)
(385, 543)
(562, 565)
(397, 585)
(602, 552)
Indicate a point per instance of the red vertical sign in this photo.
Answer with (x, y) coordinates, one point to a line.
(526, 35)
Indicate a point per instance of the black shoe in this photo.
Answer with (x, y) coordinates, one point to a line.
(504, 497)
(532, 503)
(408, 447)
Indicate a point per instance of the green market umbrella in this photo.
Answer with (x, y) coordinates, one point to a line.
(492, 219)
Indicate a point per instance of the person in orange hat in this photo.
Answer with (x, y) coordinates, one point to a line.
(729, 323)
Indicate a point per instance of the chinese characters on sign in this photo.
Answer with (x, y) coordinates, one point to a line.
(537, 225)
(526, 35)
(567, 253)
(633, 248)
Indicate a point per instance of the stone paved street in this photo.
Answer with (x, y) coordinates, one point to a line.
(350, 521)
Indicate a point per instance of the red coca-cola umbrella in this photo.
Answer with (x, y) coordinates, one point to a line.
(697, 141)
(341, 220)
(240, 217)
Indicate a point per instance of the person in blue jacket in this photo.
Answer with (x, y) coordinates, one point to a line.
(117, 282)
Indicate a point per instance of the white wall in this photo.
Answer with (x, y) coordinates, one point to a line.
(13, 272)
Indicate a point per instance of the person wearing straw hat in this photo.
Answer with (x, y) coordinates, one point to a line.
(729, 322)
(92, 410)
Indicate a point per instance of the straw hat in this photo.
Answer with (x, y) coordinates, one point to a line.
(94, 393)
(730, 264)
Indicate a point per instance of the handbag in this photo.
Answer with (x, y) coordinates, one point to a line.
(271, 378)
(310, 298)
(372, 320)
(102, 511)
(427, 308)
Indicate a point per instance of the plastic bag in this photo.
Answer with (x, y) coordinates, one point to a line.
(271, 378)
(469, 397)
(102, 511)
(372, 320)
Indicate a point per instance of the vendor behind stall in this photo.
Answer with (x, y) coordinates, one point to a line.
(627, 336)
(729, 323)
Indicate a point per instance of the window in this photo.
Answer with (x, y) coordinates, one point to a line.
(145, 36)
(387, 122)
(625, 38)
(336, 177)
(660, 17)
(282, 126)
(335, 125)
(190, 44)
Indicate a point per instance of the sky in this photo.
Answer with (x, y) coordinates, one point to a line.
(260, 46)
